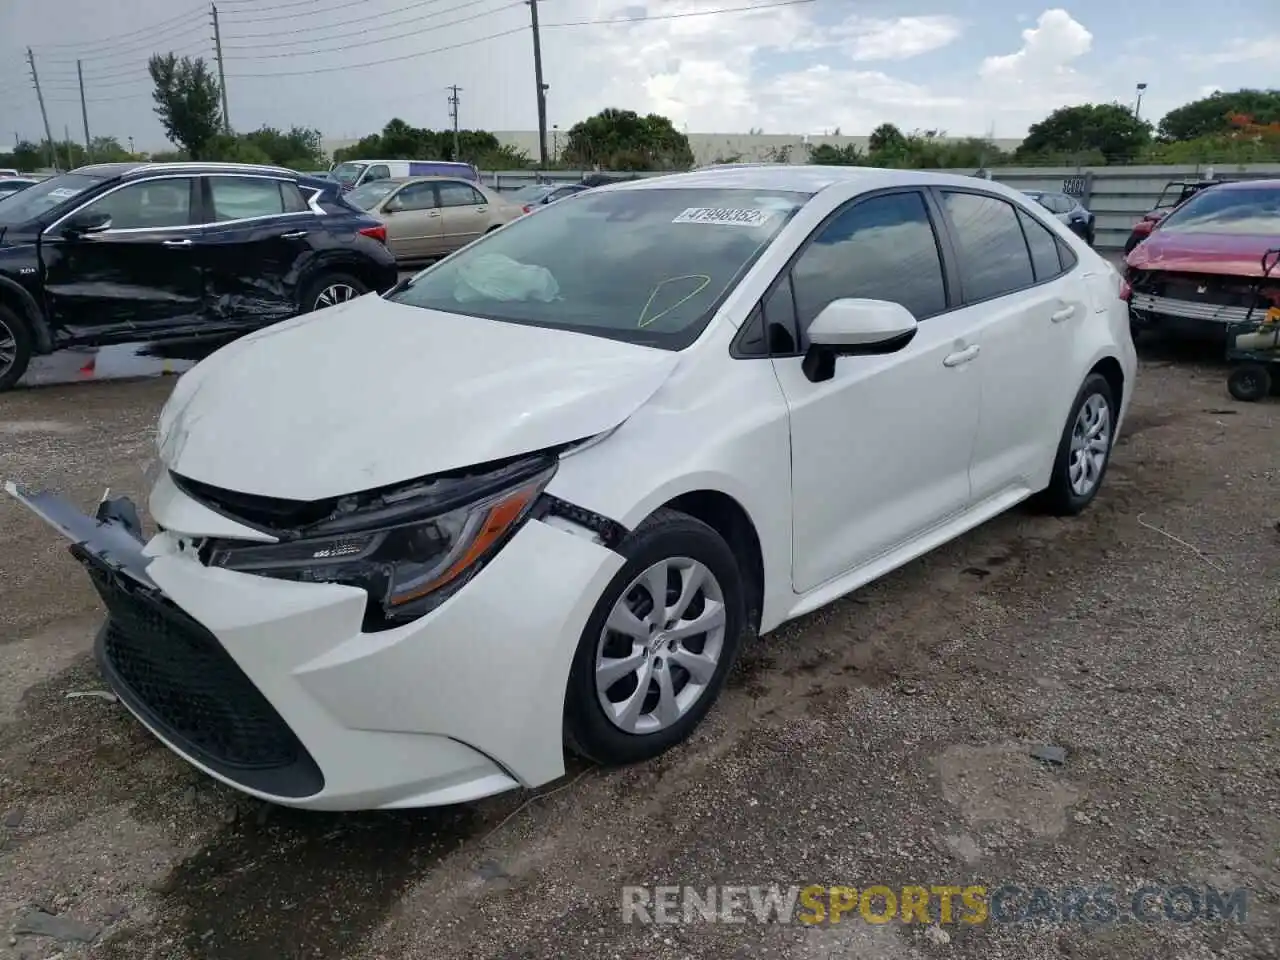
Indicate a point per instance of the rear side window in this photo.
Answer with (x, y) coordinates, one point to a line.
(294, 202)
(1043, 246)
(454, 193)
(882, 248)
(242, 198)
(994, 260)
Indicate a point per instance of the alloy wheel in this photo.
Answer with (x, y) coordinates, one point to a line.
(8, 347)
(661, 646)
(334, 294)
(1090, 444)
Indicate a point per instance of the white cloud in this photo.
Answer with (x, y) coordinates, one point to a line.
(898, 39)
(1238, 51)
(1048, 50)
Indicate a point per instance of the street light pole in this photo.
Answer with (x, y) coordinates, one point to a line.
(1137, 107)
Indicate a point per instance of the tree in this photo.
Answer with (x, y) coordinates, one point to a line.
(847, 156)
(1109, 128)
(108, 150)
(1211, 115)
(26, 157)
(887, 140)
(623, 140)
(187, 101)
(400, 141)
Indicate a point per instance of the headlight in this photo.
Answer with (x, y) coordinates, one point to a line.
(408, 558)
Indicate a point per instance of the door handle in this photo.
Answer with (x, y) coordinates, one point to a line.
(1066, 313)
(962, 357)
(295, 235)
(177, 243)
(434, 213)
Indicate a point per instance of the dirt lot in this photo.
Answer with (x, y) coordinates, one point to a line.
(886, 739)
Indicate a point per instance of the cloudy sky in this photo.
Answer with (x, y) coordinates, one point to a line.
(963, 66)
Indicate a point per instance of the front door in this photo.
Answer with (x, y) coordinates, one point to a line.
(139, 276)
(465, 210)
(414, 226)
(880, 452)
(1025, 308)
(255, 249)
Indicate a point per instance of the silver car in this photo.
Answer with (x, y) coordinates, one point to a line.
(1067, 209)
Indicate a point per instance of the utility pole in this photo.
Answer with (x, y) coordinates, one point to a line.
(66, 140)
(222, 77)
(453, 113)
(542, 87)
(84, 113)
(35, 79)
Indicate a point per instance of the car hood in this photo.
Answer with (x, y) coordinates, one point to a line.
(372, 393)
(1232, 255)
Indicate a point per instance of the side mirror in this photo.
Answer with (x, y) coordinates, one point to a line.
(88, 222)
(855, 327)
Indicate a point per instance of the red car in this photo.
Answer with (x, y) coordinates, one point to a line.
(1175, 192)
(1201, 267)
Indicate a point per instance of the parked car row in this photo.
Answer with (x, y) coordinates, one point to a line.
(412, 550)
(10, 185)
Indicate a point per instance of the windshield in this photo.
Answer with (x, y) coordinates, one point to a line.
(347, 173)
(646, 266)
(1240, 211)
(44, 196)
(367, 195)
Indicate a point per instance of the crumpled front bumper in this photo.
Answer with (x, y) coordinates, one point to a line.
(272, 687)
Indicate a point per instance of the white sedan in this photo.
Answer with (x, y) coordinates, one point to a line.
(412, 548)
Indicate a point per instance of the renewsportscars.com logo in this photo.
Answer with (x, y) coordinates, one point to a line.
(971, 904)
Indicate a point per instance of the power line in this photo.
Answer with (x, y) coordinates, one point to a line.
(344, 24)
(275, 44)
(113, 40)
(346, 5)
(506, 33)
(366, 43)
(133, 49)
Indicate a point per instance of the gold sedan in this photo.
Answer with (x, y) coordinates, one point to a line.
(430, 217)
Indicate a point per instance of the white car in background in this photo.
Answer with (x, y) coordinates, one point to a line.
(412, 546)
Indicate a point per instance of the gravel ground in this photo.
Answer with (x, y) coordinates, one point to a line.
(884, 740)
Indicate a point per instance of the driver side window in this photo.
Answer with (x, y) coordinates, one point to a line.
(149, 205)
(378, 172)
(881, 248)
(416, 196)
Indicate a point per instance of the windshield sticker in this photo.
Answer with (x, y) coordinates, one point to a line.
(63, 193)
(725, 216)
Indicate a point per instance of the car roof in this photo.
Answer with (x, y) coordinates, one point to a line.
(796, 178)
(1247, 184)
(109, 170)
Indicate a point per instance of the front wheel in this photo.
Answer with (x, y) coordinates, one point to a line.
(330, 290)
(1249, 382)
(658, 645)
(1084, 450)
(15, 348)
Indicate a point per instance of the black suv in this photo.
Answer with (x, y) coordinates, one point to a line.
(124, 252)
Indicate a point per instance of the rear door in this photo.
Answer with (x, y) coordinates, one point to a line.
(415, 228)
(465, 211)
(259, 239)
(140, 276)
(1024, 307)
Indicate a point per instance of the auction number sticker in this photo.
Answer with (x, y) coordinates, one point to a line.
(724, 215)
(63, 193)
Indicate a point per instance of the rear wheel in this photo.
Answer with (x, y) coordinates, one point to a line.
(1084, 450)
(15, 348)
(1249, 382)
(330, 290)
(658, 645)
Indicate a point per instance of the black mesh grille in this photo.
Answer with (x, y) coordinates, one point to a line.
(187, 683)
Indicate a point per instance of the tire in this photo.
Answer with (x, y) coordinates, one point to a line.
(321, 286)
(681, 543)
(15, 348)
(1063, 497)
(1249, 382)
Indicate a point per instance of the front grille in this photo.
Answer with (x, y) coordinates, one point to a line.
(271, 513)
(182, 681)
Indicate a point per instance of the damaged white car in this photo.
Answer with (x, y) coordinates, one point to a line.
(410, 548)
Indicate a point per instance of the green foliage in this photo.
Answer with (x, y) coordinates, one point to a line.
(623, 140)
(109, 150)
(850, 155)
(1108, 128)
(1211, 116)
(187, 102)
(887, 140)
(400, 141)
(26, 157)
